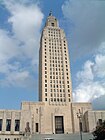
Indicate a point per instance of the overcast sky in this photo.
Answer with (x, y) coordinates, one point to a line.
(21, 23)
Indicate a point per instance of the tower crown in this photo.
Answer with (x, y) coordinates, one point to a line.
(51, 21)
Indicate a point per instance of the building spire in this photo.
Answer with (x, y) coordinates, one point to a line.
(50, 14)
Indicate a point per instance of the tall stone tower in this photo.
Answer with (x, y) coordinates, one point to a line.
(55, 113)
(54, 68)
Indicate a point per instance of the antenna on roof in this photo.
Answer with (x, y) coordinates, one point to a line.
(50, 14)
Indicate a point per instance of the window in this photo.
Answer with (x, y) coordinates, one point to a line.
(1, 124)
(8, 125)
(37, 110)
(55, 99)
(52, 24)
(99, 121)
(36, 127)
(45, 99)
(17, 125)
(69, 95)
(68, 90)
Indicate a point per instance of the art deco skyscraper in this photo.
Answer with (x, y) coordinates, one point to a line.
(54, 68)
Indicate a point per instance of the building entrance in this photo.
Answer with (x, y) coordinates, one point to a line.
(59, 126)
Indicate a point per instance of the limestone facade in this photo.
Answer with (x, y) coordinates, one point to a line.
(54, 65)
(93, 118)
(41, 119)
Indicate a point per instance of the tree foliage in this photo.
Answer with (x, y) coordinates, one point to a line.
(99, 133)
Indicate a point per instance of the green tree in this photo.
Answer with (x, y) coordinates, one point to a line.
(99, 133)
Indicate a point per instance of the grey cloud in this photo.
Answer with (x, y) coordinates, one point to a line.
(88, 20)
(99, 103)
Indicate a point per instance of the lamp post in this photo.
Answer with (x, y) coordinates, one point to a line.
(79, 116)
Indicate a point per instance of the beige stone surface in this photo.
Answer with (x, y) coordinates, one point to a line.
(92, 119)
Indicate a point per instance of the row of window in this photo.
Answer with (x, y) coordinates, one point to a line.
(56, 62)
(56, 69)
(57, 73)
(54, 32)
(55, 47)
(57, 36)
(57, 81)
(57, 77)
(55, 65)
(8, 125)
(55, 50)
(57, 86)
(54, 53)
(55, 44)
(54, 29)
(57, 90)
(59, 100)
(57, 95)
(55, 57)
(14, 139)
(54, 41)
